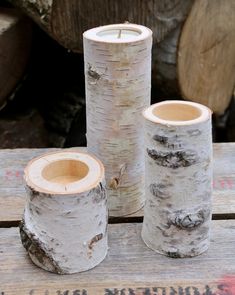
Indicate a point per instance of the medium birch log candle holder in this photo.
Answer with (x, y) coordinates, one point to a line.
(178, 187)
(64, 228)
(118, 84)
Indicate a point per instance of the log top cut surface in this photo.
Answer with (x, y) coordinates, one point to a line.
(118, 33)
(177, 113)
(206, 54)
(64, 172)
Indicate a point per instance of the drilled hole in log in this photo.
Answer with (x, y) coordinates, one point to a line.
(177, 112)
(65, 171)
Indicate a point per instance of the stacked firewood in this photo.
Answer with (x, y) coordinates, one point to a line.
(193, 52)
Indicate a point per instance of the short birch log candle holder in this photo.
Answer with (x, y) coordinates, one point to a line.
(177, 213)
(118, 84)
(64, 228)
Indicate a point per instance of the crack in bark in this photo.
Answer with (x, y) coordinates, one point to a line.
(161, 139)
(94, 240)
(116, 181)
(167, 142)
(92, 73)
(99, 193)
(194, 132)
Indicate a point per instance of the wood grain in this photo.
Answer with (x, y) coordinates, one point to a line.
(129, 264)
(71, 20)
(12, 193)
(206, 56)
(65, 21)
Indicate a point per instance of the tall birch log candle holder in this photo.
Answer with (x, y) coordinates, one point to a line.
(178, 185)
(64, 228)
(118, 84)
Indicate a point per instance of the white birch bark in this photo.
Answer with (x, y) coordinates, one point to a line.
(118, 83)
(64, 228)
(178, 186)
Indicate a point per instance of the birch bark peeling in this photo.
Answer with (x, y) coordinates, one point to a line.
(118, 84)
(206, 56)
(64, 228)
(178, 178)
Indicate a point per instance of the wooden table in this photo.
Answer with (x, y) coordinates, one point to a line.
(130, 268)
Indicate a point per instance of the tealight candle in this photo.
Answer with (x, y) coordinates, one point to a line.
(118, 84)
(121, 34)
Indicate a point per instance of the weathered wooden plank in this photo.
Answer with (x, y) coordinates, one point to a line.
(12, 193)
(129, 264)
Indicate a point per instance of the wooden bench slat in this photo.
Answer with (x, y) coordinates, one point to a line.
(12, 193)
(129, 264)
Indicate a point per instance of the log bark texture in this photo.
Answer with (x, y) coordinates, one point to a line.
(64, 228)
(15, 45)
(118, 83)
(178, 184)
(206, 57)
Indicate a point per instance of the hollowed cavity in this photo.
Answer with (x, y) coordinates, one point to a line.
(177, 112)
(65, 171)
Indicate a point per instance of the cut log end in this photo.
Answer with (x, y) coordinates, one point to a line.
(64, 173)
(206, 54)
(177, 113)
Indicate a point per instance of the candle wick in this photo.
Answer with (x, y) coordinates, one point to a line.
(119, 34)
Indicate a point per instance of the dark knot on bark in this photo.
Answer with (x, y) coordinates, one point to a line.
(189, 221)
(173, 160)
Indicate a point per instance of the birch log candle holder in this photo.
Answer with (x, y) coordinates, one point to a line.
(178, 186)
(64, 228)
(118, 84)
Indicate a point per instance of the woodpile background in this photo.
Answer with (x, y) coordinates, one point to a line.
(41, 75)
